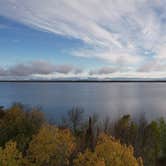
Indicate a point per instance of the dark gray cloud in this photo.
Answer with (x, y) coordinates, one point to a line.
(64, 69)
(38, 67)
(103, 70)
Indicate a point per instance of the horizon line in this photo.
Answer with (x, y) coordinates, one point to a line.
(84, 81)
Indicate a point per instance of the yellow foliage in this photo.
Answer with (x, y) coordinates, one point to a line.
(114, 153)
(108, 152)
(10, 156)
(88, 159)
(51, 146)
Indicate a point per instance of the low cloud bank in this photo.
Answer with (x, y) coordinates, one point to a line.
(38, 68)
(46, 70)
(103, 70)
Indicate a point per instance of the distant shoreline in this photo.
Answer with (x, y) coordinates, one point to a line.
(82, 81)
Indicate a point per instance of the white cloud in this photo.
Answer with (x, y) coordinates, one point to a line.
(46, 70)
(39, 67)
(122, 32)
(103, 70)
(157, 63)
(118, 58)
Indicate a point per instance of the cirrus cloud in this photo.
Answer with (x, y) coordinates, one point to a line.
(124, 33)
(116, 26)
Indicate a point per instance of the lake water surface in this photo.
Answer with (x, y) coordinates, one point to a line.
(106, 99)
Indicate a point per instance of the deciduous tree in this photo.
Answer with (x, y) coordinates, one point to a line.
(10, 156)
(51, 146)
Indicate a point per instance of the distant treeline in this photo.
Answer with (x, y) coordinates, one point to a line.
(28, 139)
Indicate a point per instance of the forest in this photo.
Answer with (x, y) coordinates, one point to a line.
(28, 138)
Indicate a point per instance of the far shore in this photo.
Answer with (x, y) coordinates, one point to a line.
(87, 81)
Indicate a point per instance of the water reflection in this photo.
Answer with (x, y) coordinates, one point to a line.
(113, 99)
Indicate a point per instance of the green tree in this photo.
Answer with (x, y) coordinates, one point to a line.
(19, 125)
(162, 128)
(125, 130)
(148, 143)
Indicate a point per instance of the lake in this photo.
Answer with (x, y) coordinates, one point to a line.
(106, 99)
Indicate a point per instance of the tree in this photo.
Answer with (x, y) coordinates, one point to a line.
(19, 125)
(147, 144)
(89, 136)
(108, 152)
(125, 130)
(162, 128)
(51, 146)
(150, 150)
(2, 112)
(106, 125)
(88, 158)
(10, 156)
(75, 116)
(115, 153)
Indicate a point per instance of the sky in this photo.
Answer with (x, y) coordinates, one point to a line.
(101, 39)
